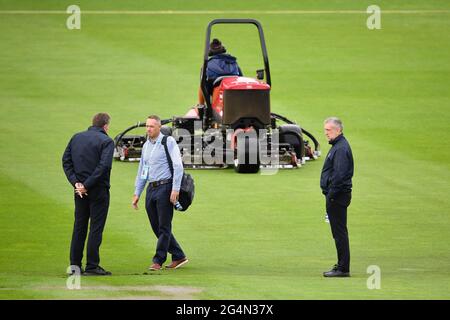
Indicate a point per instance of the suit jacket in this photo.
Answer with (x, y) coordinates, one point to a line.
(88, 158)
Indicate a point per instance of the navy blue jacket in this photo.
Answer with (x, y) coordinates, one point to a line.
(88, 158)
(337, 170)
(222, 65)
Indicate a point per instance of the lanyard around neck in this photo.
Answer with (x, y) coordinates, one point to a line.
(149, 158)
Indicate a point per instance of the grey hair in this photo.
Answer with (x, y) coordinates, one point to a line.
(336, 121)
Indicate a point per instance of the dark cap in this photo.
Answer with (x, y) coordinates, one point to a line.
(216, 47)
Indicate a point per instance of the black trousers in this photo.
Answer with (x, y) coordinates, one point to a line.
(337, 214)
(93, 208)
(160, 213)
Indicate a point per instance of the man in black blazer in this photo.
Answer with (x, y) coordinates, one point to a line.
(336, 185)
(87, 163)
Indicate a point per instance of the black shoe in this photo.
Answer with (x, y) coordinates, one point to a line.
(98, 271)
(336, 273)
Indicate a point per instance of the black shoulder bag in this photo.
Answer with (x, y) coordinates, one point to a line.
(187, 188)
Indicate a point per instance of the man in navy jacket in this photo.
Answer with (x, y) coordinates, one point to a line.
(336, 185)
(87, 164)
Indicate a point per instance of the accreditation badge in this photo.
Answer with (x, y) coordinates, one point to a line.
(144, 173)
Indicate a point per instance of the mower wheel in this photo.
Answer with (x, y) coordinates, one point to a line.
(246, 166)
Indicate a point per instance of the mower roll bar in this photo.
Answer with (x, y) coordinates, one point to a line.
(206, 51)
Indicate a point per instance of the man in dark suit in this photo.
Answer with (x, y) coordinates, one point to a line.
(336, 185)
(87, 164)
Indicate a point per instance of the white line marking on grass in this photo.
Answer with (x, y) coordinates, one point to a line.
(202, 12)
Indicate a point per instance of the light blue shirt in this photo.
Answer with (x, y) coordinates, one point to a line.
(154, 166)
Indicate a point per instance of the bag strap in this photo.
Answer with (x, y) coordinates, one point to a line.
(166, 149)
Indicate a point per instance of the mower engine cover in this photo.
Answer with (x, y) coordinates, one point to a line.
(240, 98)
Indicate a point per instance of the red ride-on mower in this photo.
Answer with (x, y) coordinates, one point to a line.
(235, 127)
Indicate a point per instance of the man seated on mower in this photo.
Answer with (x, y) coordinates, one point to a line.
(219, 64)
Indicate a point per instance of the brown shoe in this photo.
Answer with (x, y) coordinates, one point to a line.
(177, 263)
(155, 267)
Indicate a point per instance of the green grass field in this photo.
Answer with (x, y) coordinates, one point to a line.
(247, 236)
